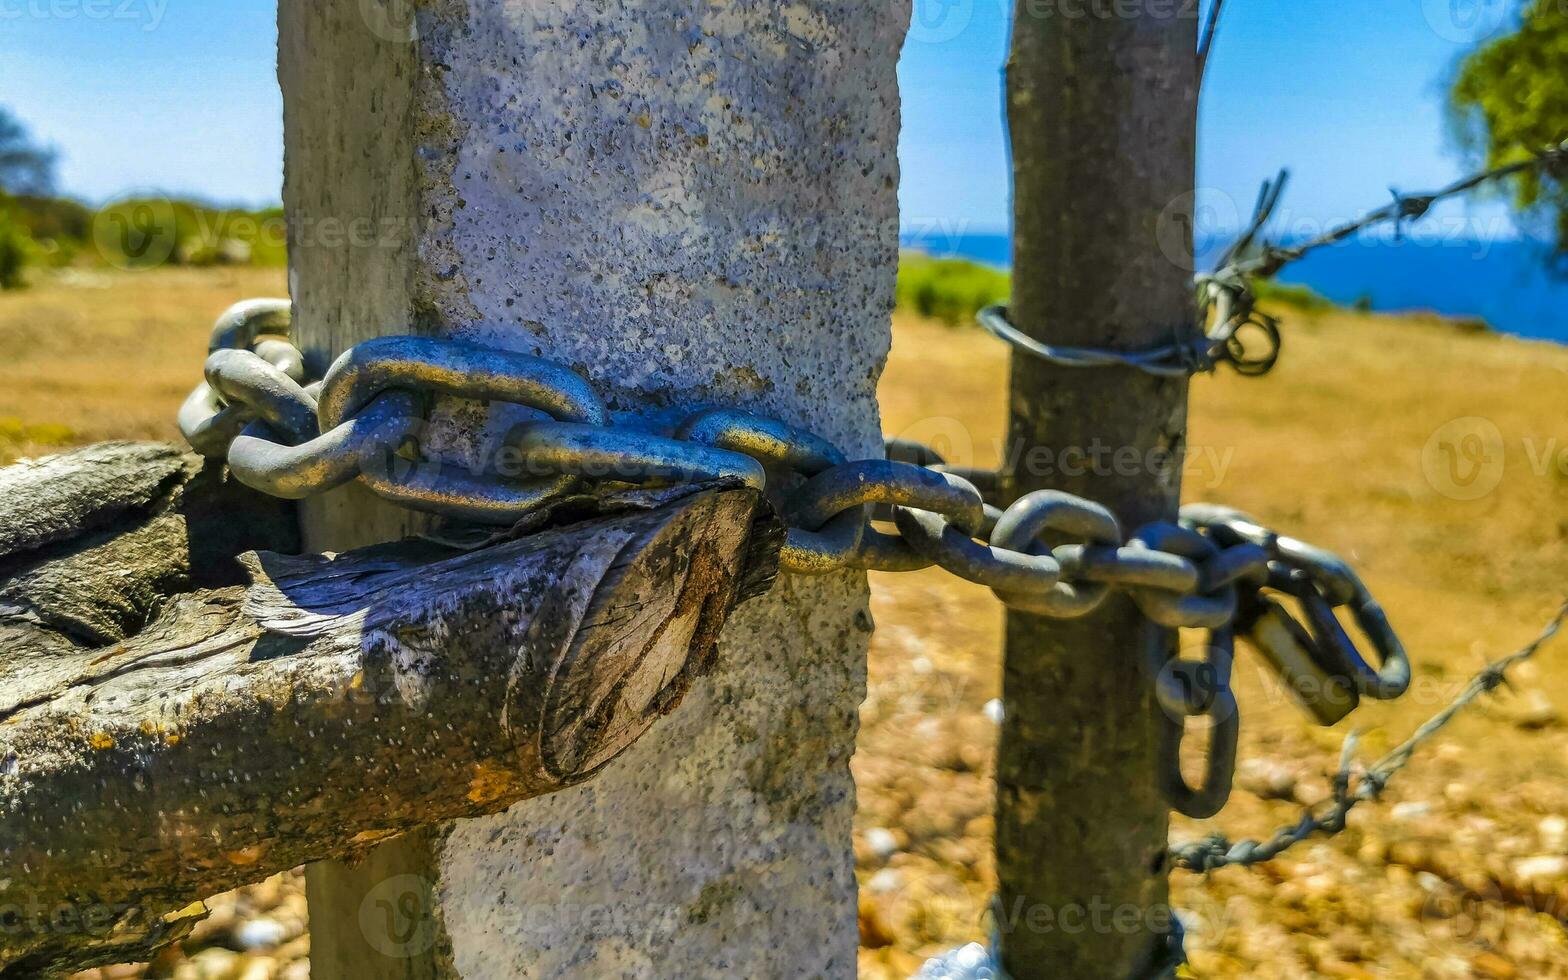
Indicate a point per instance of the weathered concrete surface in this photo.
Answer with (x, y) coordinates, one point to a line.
(689, 203)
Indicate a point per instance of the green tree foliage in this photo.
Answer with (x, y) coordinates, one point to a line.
(25, 166)
(1510, 101)
(16, 248)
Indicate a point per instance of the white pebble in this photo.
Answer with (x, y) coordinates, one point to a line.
(261, 934)
(1554, 831)
(1410, 810)
(973, 962)
(886, 881)
(882, 842)
(993, 710)
(1542, 867)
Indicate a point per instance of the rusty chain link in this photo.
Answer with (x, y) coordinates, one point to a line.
(1049, 553)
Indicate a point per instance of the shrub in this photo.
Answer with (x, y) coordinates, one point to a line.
(16, 249)
(150, 232)
(950, 290)
(954, 290)
(53, 218)
(1290, 294)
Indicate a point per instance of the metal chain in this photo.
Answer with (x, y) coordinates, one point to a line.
(1049, 553)
(1242, 337)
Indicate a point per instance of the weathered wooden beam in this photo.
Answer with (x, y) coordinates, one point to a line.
(328, 704)
(92, 541)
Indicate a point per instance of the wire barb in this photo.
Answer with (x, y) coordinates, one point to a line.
(1404, 207)
(1217, 851)
(1227, 296)
(1206, 46)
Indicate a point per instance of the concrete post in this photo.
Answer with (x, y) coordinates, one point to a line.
(688, 203)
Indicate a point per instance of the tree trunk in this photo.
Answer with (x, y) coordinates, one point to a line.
(215, 736)
(1102, 114)
(692, 205)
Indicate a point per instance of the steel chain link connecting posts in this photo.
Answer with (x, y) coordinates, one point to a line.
(1217, 570)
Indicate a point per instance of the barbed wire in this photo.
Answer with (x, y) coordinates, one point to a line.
(1206, 46)
(1215, 852)
(1404, 207)
(1181, 357)
(978, 962)
(1243, 337)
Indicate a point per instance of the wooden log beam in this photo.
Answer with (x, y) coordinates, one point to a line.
(328, 704)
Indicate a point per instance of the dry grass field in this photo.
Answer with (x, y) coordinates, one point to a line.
(1435, 459)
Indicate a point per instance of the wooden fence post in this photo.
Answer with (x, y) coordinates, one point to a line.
(1102, 112)
(690, 204)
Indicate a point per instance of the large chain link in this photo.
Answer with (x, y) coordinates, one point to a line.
(1049, 553)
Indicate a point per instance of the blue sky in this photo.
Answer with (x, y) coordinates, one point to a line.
(181, 95)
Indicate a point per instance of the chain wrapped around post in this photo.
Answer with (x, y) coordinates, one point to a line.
(1048, 553)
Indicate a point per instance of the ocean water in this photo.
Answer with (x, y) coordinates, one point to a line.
(1508, 284)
